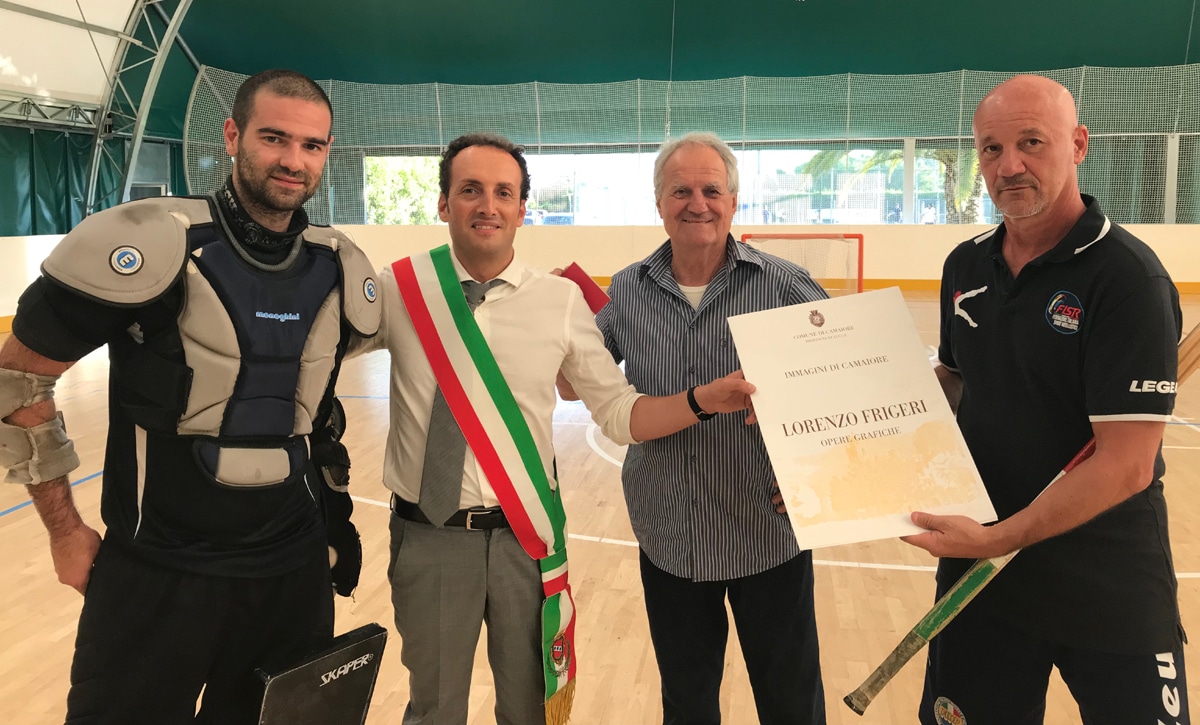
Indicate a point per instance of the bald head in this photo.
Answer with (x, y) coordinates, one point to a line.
(1030, 142)
(1038, 96)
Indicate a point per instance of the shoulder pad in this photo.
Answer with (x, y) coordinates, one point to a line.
(361, 306)
(130, 254)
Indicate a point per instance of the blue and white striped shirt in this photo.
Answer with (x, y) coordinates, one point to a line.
(700, 500)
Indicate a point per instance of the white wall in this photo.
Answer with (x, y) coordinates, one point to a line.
(20, 259)
(892, 252)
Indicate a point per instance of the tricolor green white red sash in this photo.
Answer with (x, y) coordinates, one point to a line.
(496, 430)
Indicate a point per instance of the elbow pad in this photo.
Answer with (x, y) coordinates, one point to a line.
(37, 454)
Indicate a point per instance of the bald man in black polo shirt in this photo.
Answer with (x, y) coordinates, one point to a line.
(1056, 327)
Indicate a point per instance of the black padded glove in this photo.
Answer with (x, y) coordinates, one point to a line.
(345, 560)
(330, 457)
(332, 462)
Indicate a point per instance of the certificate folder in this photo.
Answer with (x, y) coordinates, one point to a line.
(592, 294)
(334, 686)
(856, 424)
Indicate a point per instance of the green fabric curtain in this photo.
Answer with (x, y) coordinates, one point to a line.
(45, 177)
(179, 185)
(16, 181)
(108, 183)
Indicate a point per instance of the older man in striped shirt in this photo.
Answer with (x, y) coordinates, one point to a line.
(701, 500)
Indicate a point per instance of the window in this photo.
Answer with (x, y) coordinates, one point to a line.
(139, 190)
(835, 185)
(831, 184)
(401, 189)
(612, 189)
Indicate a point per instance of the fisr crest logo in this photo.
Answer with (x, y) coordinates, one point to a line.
(1065, 312)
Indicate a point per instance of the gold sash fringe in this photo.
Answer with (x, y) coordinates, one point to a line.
(558, 707)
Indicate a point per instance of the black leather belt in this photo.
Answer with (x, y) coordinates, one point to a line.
(477, 518)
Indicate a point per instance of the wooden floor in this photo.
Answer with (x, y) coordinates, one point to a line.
(867, 595)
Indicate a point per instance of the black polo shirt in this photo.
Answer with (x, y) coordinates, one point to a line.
(1086, 333)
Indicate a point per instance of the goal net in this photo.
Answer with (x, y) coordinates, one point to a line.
(834, 260)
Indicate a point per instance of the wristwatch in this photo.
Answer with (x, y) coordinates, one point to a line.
(700, 414)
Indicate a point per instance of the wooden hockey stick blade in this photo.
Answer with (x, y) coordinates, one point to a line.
(981, 572)
(944, 610)
(1189, 355)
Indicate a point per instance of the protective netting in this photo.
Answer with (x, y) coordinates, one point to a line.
(825, 149)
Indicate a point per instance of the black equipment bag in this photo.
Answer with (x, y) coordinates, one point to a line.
(333, 687)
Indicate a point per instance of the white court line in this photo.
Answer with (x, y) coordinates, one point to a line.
(1183, 448)
(373, 502)
(1185, 424)
(581, 537)
(591, 439)
(603, 540)
(859, 565)
(595, 446)
(623, 542)
(816, 562)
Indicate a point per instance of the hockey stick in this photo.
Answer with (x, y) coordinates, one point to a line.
(980, 573)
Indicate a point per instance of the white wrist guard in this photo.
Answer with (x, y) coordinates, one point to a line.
(37, 454)
(21, 390)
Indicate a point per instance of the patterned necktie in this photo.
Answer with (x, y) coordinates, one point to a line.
(445, 448)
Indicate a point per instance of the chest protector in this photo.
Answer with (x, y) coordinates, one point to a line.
(250, 353)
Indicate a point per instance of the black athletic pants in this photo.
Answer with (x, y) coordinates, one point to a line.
(151, 637)
(983, 671)
(777, 629)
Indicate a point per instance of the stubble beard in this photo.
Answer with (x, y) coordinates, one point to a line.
(255, 186)
(1023, 209)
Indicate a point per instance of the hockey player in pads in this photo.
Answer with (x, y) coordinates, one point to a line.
(226, 318)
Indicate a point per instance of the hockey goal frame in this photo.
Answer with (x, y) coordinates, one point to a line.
(821, 276)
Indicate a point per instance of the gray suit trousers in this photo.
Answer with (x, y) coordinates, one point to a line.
(445, 584)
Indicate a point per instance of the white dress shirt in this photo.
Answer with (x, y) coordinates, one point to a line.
(535, 324)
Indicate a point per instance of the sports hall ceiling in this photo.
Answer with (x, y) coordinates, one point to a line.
(488, 42)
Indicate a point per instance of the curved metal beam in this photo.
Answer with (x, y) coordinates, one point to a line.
(112, 121)
(63, 20)
(160, 60)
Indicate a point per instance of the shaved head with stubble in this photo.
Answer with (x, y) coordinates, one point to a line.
(1030, 142)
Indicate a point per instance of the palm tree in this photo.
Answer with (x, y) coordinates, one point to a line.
(961, 190)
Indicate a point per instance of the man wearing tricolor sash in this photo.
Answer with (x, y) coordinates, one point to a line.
(477, 340)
